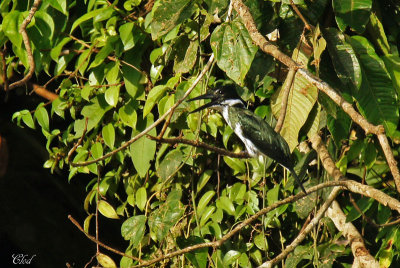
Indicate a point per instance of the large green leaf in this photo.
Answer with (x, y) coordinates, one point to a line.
(392, 63)
(376, 98)
(343, 58)
(167, 215)
(168, 14)
(90, 15)
(133, 229)
(154, 96)
(353, 13)
(301, 100)
(233, 49)
(142, 151)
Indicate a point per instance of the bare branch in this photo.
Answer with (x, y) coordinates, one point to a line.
(43, 92)
(28, 47)
(362, 257)
(308, 27)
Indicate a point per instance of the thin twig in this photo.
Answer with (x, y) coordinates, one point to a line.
(300, 15)
(285, 96)
(28, 47)
(156, 123)
(92, 238)
(272, 50)
(43, 92)
(200, 144)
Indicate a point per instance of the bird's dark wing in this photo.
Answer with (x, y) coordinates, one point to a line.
(264, 137)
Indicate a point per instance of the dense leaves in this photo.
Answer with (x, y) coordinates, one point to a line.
(117, 67)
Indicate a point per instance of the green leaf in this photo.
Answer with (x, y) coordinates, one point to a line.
(376, 99)
(60, 5)
(10, 26)
(97, 150)
(142, 151)
(167, 215)
(392, 64)
(168, 14)
(230, 257)
(107, 210)
(155, 94)
(301, 100)
(89, 16)
(234, 50)
(104, 52)
(141, 198)
(131, 76)
(204, 177)
(261, 242)
(133, 229)
(370, 155)
(206, 215)
(27, 119)
(130, 35)
(226, 204)
(170, 164)
(364, 203)
(105, 261)
(128, 114)
(108, 134)
(352, 13)
(339, 127)
(235, 164)
(185, 54)
(204, 200)
(86, 223)
(375, 28)
(198, 257)
(112, 94)
(56, 51)
(42, 117)
(344, 59)
(94, 112)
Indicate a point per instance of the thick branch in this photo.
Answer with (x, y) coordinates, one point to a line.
(200, 144)
(28, 47)
(271, 49)
(362, 257)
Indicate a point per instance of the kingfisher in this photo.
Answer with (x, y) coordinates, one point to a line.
(259, 138)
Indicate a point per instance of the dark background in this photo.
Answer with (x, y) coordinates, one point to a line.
(35, 204)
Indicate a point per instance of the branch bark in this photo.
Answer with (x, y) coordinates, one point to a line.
(28, 47)
(362, 257)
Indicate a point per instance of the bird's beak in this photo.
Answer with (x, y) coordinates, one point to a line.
(208, 95)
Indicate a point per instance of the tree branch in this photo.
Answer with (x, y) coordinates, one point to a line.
(200, 144)
(362, 257)
(28, 47)
(272, 50)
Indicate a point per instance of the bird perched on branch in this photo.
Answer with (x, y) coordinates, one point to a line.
(257, 135)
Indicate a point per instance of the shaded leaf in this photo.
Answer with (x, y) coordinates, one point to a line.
(170, 164)
(353, 13)
(198, 258)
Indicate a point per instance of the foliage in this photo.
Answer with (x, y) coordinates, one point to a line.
(119, 66)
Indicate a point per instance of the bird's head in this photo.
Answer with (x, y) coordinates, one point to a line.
(222, 96)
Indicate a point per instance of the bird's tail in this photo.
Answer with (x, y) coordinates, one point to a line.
(297, 180)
